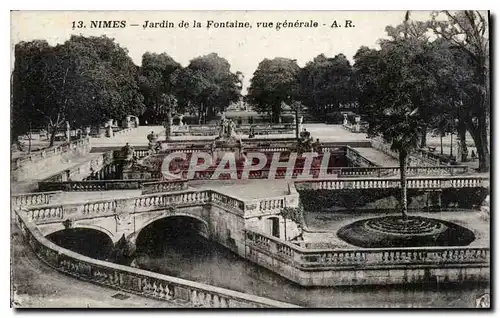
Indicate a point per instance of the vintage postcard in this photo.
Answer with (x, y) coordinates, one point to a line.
(250, 159)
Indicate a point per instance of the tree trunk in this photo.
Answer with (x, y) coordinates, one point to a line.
(479, 135)
(297, 124)
(423, 139)
(53, 132)
(463, 143)
(284, 222)
(441, 141)
(403, 156)
(484, 154)
(451, 145)
(168, 124)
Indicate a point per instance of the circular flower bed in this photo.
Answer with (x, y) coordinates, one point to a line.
(413, 231)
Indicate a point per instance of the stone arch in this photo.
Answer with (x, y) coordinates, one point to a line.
(101, 229)
(91, 241)
(133, 237)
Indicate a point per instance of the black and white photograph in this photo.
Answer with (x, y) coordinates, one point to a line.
(250, 159)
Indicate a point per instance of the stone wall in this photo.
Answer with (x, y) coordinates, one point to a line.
(83, 170)
(334, 267)
(30, 165)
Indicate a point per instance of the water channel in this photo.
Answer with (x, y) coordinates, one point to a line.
(173, 248)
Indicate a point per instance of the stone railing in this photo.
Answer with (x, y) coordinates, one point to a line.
(97, 208)
(25, 167)
(137, 281)
(213, 130)
(99, 164)
(393, 171)
(420, 158)
(164, 186)
(272, 205)
(28, 199)
(376, 183)
(356, 158)
(50, 152)
(314, 259)
(92, 185)
(122, 132)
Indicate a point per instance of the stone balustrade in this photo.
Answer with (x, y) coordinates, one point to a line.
(46, 213)
(137, 281)
(397, 256)
(93, 185)
(412, 183)
(36, 156)
(40, 198)
(213, 130)
(420, 157)
(23, 168)
(164, 186)
(100, 166)
(410, 171)
(357, 159)
(311, 259)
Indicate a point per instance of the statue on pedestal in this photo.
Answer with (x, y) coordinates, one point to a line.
(227, 129)
(152, 141)
(68, 132)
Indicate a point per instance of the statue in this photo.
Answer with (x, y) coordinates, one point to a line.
(227, 129)
(231, 127)
(152, 138)
(127, 152)
(222, 127)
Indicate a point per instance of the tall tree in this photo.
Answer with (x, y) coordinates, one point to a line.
(274, 82)
(467, 31)
(326, 81)
(83, 82)
(207, 86)
(157, 75)
(392, 94)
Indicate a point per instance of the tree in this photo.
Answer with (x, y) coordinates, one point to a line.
(326, 81)
(392, 94)
(157, 75)
(294, 214)
(83, 82)
(467, 31)
(274, 82)
(207, 86)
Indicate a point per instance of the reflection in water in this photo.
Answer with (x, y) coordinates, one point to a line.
(166, 248)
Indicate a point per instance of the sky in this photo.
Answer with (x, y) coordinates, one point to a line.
(244, 48)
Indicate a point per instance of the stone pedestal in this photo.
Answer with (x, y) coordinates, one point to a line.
(109, 131)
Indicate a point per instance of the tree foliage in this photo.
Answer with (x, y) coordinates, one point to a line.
(466, 34)
(207, 86)
(157, 76)
(326, 81)
(274, 82)
(83, 81)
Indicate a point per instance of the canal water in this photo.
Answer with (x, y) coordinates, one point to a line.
(168, 248)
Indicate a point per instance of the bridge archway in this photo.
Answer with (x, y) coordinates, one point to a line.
(167, 228)
(87, 241)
